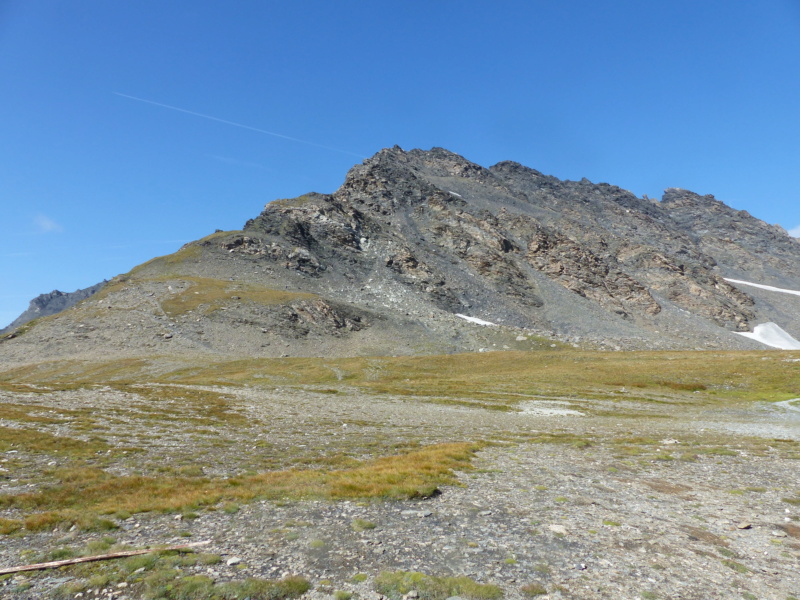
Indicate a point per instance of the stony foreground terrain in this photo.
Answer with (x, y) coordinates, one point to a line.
(646, 496)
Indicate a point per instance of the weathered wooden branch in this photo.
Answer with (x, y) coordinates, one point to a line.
(83, 559)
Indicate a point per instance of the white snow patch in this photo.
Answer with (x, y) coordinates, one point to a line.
(793, 404)
(772, 335)
(476, 320)
(454, 194)
(549, 408)
(794, 232)
(764, 287)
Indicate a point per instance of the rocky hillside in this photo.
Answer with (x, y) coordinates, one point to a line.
(418, 250)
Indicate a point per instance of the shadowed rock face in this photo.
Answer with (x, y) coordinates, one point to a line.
(411, 238)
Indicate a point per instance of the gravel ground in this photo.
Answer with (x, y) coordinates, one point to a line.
(677, 518)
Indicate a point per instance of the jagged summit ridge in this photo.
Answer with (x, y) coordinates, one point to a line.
(512, 224)
(413, 238)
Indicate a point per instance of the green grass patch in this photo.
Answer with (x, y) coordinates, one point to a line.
(209, 295)
(35, 441)
(23, 329)
(716, 451)
(24, 413)
(161, 576)
(736, 566)
(531, 590)
(190, 404)
(9, 526)
(396, 584)
(683, 387)
(361, 525)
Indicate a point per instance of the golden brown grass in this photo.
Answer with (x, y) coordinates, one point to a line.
(190, 252)
(82, 495)
(295, 202)
(191, 405)
(23, 413)
(203, 293)
(160, 264)
(25, 328)
(211, 294)
(32, 440)
(172, 399)
(503, 378)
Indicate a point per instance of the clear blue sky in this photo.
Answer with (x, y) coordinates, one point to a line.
(698, 94)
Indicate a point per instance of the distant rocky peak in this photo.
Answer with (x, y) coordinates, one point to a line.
(438, 162)
(51, 303)
(513, 168)
(394, 178)
(684, 205)
(42, 300)
(682, 197)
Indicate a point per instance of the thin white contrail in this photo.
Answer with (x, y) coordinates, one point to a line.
(256, 129)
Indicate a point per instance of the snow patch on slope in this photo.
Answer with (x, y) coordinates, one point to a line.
(764, 287)
(476, 320)
(772, 335)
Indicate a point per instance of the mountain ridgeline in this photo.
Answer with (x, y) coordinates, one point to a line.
(413, 242)
(50, 304)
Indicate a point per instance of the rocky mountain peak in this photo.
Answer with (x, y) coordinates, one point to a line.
(413, 239)
(682, 197)
(510, 168)
(511, 225)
